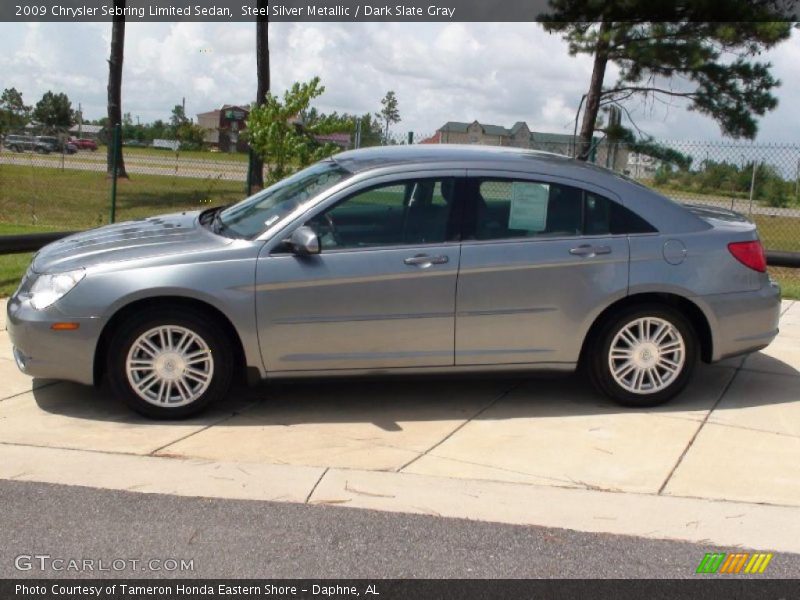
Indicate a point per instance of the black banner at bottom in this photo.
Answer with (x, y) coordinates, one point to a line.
(385, 589)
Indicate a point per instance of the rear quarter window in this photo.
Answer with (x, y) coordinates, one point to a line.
(604, 216)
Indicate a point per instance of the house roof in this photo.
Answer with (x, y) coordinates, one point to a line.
(488, 129)
(455, 127)
(536, 137)
(459, 127)
(517, 126)
(495, 130)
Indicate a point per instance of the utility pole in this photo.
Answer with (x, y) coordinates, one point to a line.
(80, 120)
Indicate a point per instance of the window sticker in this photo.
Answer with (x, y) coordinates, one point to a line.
(528, 206)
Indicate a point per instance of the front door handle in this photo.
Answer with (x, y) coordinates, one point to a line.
(424, 261)
(588, 250)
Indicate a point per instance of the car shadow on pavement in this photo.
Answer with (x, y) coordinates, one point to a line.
(387, 402)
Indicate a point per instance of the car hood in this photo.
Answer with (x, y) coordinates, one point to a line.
(178, 233)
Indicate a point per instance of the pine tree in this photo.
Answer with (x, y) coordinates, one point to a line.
(711, 65)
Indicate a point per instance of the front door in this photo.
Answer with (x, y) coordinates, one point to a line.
(381, 293)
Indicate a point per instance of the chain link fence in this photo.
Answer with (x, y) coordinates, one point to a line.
(60, 191)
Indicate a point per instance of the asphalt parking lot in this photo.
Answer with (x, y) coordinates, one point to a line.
(719, 464)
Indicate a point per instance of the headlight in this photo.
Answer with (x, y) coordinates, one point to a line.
(47, 289)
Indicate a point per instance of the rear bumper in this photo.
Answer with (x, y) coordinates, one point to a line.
(40, 351)
(743, 322)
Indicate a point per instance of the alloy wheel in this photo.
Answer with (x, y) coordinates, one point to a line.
(170, 366)
(647, 355)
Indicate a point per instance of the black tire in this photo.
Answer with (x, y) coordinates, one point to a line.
(199, 323)
(598, 360)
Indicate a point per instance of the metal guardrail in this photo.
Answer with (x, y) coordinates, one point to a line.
(30, 242)
(783, 259)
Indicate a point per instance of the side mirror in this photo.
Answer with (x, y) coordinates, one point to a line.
(304, 241)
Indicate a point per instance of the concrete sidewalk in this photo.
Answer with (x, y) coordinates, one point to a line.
(720, 464)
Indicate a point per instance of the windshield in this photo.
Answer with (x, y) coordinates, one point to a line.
(253, 215)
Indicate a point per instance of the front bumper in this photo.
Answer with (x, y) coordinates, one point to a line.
(744, 322)
(42, 352)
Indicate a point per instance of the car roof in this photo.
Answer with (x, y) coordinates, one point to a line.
(385, 156)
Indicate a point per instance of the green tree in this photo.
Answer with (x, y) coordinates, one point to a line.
(128, 131)
(687, 55)
(278, 137)
(190, 135)
(371, 131)
(13, 112)
(389, 114)
(54, 112)
(178, 117)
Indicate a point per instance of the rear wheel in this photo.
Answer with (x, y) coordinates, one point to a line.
(643, 356)
(170, 364)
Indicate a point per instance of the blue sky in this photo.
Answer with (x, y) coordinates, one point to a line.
(495, 72)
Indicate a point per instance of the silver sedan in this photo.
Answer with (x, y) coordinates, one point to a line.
(423, 259)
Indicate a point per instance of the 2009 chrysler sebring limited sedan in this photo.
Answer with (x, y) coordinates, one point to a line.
(401, 260)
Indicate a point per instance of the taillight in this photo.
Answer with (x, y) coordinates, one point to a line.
(750, 254)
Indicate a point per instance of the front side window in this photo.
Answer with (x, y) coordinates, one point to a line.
(409, 212)
(254, 215)
(509, 209)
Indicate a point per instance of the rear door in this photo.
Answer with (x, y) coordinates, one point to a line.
(538, 258)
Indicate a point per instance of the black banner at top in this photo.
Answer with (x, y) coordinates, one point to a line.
(402, 10)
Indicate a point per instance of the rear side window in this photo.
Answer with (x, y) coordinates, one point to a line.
(508, 209)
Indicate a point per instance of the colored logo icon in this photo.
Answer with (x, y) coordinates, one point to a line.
(737, 563)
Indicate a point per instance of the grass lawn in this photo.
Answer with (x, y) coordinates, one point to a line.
(779, 233)
(69, 199)
(12, 266)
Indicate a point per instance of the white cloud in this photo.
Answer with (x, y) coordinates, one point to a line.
(494, 72)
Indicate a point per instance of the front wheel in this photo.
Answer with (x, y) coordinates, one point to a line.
(170, 364)
(643, 356)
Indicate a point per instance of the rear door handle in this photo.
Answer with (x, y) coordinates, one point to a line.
(424, 261)
(589, 250)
